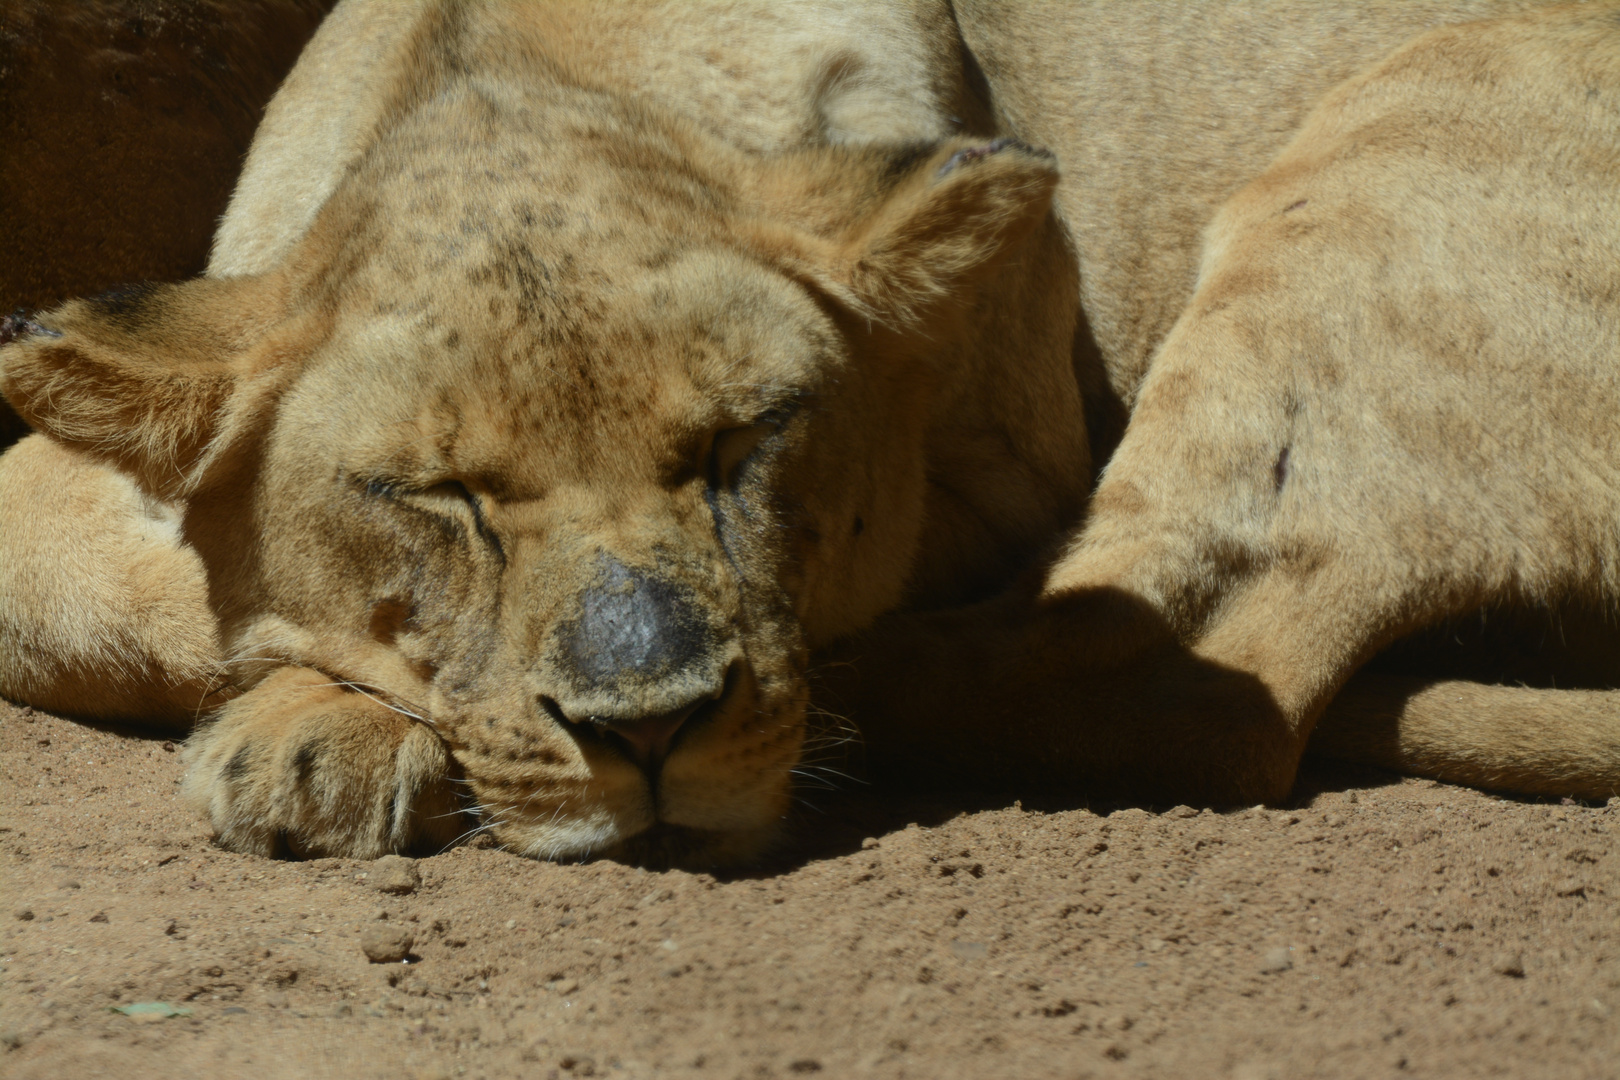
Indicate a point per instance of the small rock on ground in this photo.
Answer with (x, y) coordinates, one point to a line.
(386, 944)
(1510, 964)
(395, 874)
(1276, 960)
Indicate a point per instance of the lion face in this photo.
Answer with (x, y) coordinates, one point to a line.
(546, 431)
(589, 546)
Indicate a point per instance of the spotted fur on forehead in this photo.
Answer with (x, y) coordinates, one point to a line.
(604, 295)
(478, 182)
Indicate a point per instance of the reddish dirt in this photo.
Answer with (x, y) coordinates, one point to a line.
(1379, 927)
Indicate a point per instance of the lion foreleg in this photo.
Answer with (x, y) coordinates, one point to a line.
(1091, 691)
(103, 606)
(303, 765)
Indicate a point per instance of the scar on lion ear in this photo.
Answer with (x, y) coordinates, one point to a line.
(149, 377)
(894, 235)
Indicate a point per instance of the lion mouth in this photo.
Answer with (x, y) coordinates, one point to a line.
(713, 792)
(648, 741)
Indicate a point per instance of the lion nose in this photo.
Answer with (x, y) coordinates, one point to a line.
(636, 664)
(633, 627)
(646, 740)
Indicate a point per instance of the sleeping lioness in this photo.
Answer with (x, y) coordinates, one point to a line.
(565, 378)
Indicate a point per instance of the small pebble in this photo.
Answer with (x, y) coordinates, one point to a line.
(1510, 964)
(386, 944)
(100, 916)
(1276, 960)
(25, 914)
(395, 874)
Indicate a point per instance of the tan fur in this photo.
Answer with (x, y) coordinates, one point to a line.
(519, 314)
(103, 608)
(540, 407)
(1390, 402)
(1161, 111)
(302, 765)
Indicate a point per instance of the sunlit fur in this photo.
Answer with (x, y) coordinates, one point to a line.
(539, 322)
(502, 282)
(1390, 403)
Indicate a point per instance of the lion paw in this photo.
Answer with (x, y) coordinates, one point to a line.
(300, 767)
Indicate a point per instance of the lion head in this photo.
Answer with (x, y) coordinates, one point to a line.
(570, 426)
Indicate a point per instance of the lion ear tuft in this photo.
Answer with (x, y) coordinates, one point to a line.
(931, 223)
(147, 377)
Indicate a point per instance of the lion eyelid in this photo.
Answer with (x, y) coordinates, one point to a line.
(461, 491)
(730, 448)
(444, 489)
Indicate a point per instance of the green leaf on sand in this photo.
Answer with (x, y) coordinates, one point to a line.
(150, 1008)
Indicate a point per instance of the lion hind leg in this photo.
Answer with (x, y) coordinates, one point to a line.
(305, 766)
(103, 606)
(1507, 738)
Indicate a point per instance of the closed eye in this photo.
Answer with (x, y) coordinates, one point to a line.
(732, 448)
(448, 491)
(450, 499)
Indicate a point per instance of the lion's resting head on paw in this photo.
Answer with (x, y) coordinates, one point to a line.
(572, 429)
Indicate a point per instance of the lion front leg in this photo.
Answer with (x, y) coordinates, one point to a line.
(103, 605)
(302, 766)
(1090, 681)
(1089, 692)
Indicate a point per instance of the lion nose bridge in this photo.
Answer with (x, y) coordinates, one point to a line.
(638, 661)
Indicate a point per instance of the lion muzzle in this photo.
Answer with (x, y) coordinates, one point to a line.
(640, 662)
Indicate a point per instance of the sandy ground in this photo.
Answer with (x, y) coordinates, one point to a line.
(1378, 927)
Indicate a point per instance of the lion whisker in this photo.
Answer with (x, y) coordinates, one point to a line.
(470, 833)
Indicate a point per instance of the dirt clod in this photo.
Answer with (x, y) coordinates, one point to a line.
(386, 944)
(1510, 964)
(395, 874)
(1276, 960)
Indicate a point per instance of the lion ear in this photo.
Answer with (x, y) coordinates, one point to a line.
(930, 224)
(152, 378)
